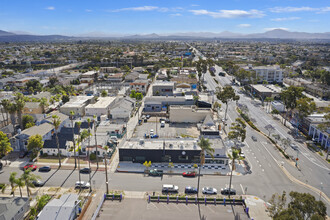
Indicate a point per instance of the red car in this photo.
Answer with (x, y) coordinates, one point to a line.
(189, 174)
(31, 166)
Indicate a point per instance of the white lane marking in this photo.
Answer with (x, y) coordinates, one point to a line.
(242, 188)
(210, 209)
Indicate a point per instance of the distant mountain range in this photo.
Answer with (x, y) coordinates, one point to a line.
(20, 36)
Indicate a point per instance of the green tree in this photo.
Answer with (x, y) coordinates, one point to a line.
(12, 181)
(28, 120)
(35, 144)
(56, 124)
(5, 104)
(20, 183)
(290, 96)
(237, 130)
(201, 67)
(305, 107)
(233, 156)
(28, 179)
(139, 96)
(65, 98)
(206, 148)
(12, 109)
(19, 103)
(226, 95)
(5, 146)
(302, 206)
(277, 204)
(104, 93)
(133, 94)
(43, 104)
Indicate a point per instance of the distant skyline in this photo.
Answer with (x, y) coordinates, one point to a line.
(101, 17)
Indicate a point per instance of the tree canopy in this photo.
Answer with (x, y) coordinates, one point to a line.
(35, 144)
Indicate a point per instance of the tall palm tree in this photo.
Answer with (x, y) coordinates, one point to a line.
(12, 181)
(28, 179)
(73, 139)
(43, 104)
(12, 111)
(5, 104)
(56, 124)
(20, 183)
(233, 156)
(205, 146)
(88, 151)
(106, 148)
(20, 103)
(78, 123)
(97, 158)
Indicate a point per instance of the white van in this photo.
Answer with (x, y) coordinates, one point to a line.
(169, 188)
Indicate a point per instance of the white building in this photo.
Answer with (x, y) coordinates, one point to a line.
(101, 107)
(77, 104)
(271, 74)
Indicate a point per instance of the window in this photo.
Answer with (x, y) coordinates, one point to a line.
(183, 157)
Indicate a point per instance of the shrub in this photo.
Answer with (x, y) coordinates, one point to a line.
(92, 156)
(44, 155)
(321, 154)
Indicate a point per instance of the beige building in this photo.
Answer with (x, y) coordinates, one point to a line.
(77, 104)
(101, 107)
(188, 114)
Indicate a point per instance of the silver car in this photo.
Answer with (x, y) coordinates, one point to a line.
(209, 190)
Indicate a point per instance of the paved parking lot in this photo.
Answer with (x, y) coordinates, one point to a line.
(170, 130)
(130, 209)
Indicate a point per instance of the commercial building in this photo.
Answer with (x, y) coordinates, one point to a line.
(160, 88)
(188, 114)
(101, 107)
(271, 74)
(160, 103)
(77, 104)
(268, 90)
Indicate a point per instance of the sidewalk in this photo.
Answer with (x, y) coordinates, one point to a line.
(257, 208)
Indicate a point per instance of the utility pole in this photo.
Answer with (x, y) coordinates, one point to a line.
(106, 173)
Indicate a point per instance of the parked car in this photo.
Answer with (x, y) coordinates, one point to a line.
(114, 139)
(294, 147)
(225, 191)
(242, 155)
(190, 190)
(85, 170)
(31, 166)
(151, 132)
(44, 169)
(38, 183)
(189, 174)
(154, 136)
(162, 124)
(209, 190)
(169, 188)
(156, 172)
(82, 184)
(22, 154)
(148, 116)
(253, 138)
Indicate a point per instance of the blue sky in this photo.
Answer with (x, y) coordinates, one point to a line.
(74, 17)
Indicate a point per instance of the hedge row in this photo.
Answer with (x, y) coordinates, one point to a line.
(247, 119)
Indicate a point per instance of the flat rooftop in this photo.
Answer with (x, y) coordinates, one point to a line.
(102, 102)
(267, 88)
(77, 101)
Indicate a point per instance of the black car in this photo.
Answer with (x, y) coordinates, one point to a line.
(225, 191)
(156, 172)
(85, 170)
(190, 190)
(38, 183)
(44, 169)
(23, 154)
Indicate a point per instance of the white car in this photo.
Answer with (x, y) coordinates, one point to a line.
(209, 190)
(151, 132)
(82, 184)
(242, 155)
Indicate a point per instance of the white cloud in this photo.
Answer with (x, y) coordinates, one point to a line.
(286, 19)
(175, 15)
(50, 8)
(193, 5)
(88, 10)
(244, 25)
(298, 9)
(230, 13)
(276, 28)
(141, 8)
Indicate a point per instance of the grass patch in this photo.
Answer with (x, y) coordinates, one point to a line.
(321, 154)
(54, 189)
(71, 160)
(50, 160)
(187, 136)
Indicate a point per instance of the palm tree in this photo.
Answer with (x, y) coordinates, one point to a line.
(205, 146)
(28, 179)
(88, 153)
(20, 103)
(96, 152)
(20, 183)
(106, 168)
(12, 112)
(43, 104)
(5, 104)
(12, 180)
(234, 155)
(56, 124)
(78, 123)
(73, 139)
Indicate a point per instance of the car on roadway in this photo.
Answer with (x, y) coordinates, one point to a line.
(44, 169)
(190, 190)
(156, 172)
(82, 185)
(225, 191)
(169, 188)
(209, 190)
(30, 166)
(189, 174)
(38, 183)
(253, 138)
(22, 154)
(294, 147)
(85, 170)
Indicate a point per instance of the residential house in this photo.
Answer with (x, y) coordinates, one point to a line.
(32, 108)
(160, 88)
(66, 207)
(13, 208)
(101, 107)
(117, 77)
(77, 104)
(88, 77)
(122, 108)
(139, 86)
(131, 77)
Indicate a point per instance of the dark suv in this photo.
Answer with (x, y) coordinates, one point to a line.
(190, 190)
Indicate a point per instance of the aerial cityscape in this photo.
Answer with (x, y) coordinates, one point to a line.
(165, 110)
